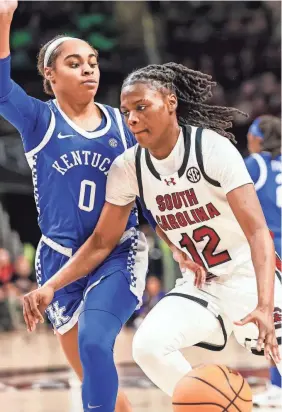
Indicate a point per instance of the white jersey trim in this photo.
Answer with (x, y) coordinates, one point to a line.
(84, 133)
(120, 126)
(66, 251)
(263, 171)
(29, 155)
(92, 286)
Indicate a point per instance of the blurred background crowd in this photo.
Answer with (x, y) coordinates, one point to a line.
(238, 43)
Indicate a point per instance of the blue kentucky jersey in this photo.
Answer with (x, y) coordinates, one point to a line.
(267, 177)
(69, 169)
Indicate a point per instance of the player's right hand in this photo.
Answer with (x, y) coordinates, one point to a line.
(186, 263)
(34, 305)
(7, 8)
(263, 319)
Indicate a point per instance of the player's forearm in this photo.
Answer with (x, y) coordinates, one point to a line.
(5, 26)
(164, 237)
(86, 259)
(263, 257)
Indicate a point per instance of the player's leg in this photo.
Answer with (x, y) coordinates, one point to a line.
(65, 308)
(108, 306)
(64, 311)
(175, 322)
(69, 344)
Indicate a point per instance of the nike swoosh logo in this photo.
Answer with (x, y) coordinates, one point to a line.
(93, 407)
(64, 136)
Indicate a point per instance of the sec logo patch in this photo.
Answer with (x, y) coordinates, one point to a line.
(193, 175)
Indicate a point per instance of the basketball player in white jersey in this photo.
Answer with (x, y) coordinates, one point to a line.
(194, 182)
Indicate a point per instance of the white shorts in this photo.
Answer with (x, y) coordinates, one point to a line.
(230, 298)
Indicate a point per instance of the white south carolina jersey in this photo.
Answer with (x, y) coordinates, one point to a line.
(189, 204)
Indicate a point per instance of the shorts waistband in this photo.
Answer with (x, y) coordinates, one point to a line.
(66, 251)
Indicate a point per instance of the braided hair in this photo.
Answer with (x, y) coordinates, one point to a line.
(192, 89)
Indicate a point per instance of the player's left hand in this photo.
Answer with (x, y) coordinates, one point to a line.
(263, 319)
(186, 263)
(34, 304)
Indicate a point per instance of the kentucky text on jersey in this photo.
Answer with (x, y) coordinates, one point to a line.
(179, 200)
(82, 157)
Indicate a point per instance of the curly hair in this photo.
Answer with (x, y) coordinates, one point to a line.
(192, 89)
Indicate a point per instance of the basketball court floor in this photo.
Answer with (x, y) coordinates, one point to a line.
(34, 376)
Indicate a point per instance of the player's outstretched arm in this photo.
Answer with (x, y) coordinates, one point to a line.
(7, 9)
(247, 210)
(21, 110)
(92, 253)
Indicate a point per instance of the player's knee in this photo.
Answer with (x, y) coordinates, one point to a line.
(96, 337)
(91, 347)
(146, 349)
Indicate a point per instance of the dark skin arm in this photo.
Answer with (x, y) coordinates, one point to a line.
(92, 253)
(247, 210)
(184, 261)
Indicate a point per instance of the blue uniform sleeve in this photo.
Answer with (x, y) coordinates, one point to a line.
(31, 117)
(253, 168)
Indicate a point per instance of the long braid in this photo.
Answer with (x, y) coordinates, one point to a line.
(192, 89)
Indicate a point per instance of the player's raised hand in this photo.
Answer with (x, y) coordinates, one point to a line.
(34, 305)
(7, 8)
(186, 263)
(263, 319)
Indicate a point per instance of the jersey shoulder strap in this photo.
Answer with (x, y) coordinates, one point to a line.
(138, 153)
(199, 157)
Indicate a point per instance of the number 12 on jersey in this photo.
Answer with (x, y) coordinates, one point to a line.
(86, 203)
(211, 257)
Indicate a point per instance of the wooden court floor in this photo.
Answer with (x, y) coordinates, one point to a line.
(34, 375)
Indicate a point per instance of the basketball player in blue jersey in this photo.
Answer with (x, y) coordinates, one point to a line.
(195, 184)
(265, 167)
(70, 143)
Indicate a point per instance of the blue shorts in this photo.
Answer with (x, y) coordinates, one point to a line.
(130, 257)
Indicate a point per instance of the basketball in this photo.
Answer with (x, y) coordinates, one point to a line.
(212, 388)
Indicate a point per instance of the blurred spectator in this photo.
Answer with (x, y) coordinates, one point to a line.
(5, 276)
(22, 280)
(16, 274)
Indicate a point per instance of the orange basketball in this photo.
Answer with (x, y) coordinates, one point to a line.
(212, 388)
